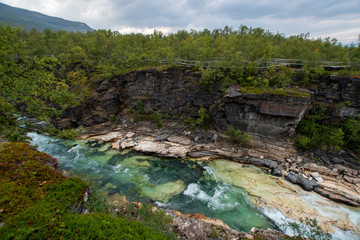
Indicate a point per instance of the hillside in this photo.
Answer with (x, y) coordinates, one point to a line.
(30, 19)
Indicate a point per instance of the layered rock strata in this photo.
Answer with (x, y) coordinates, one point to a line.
(335, 181)
(270, 118)
(179, 93)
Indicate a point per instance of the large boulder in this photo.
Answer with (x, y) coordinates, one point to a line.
(305, 183)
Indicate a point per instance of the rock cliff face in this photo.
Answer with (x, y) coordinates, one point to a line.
(177, 92)
(338, 95)
(264, 114)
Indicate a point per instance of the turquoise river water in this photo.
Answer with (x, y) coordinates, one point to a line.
(182, 185)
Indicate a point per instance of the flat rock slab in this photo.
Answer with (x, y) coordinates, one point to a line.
(179, 139)
(200, 154)
(341, 189)
(111, 136)
(166, 149)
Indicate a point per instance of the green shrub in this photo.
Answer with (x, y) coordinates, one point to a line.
(352, 134)
(208, 78)
(312, 133)
(189, 121)
(236, 136)
(304, 142)
(102, 226)
(140, 114)
(204, 118)
(70, 134)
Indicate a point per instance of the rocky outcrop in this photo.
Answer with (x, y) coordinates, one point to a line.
(339, 96)
(265, 114)
(198, 226)
(336, 181)
(270, 118)
(177, 92)
(103, 105)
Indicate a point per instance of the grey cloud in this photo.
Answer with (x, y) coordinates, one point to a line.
(320, 17)
(141, 13)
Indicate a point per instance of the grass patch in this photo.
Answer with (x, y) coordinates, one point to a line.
(275, 91)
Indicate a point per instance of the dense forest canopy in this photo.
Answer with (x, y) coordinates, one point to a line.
(43, 72)
(107, 49)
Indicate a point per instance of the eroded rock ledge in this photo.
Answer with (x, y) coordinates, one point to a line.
(178, 92)
(334, 181)
(270, 117)
(198, 226)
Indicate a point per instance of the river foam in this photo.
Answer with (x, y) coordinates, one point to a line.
(219, 189)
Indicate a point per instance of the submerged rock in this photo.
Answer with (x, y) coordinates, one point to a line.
(163, 192)
(136, 161)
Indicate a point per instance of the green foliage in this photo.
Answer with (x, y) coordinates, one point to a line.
(100, 226)
(226, 74)
(144, 213)
(38, 202)
(275, 91)
(310, 72)
(204, 118)
(214, 234)
(313, 134)
(189, 121)
(305, 142)
(276, 76)
(52, 69)
(352, 134)
(344, 104)
(97, 200)
(140, 114)
(307, 229)
(80, 85)
(210, 77)
(223, 56)
(70, 134)
(236, 136)
(140, 182)
(316, 133)
(154, 218)
(27, 81)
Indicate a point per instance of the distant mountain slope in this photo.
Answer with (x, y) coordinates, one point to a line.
(29, 19)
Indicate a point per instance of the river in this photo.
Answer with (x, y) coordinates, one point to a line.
(218, 189)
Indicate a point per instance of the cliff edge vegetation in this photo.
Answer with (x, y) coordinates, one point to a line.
(38, 202)
(54, 70)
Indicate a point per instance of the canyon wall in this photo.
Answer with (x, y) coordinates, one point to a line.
(177, 92)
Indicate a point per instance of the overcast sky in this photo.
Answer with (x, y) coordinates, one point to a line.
(338, 19)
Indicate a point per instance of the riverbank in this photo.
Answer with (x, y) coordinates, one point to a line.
(334, 181)
(73, 216)
(146, 110)
(279, 157)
